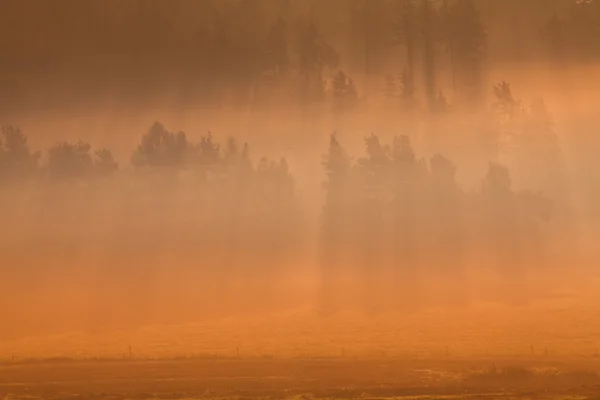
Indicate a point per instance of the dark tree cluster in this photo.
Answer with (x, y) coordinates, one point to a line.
(202, 209)
(246, 213)
(571, 35)
(207, 209)
(525, 137)
(392, 217)
(16, 160)
(438, 32)
(248, 52)
(65, 160)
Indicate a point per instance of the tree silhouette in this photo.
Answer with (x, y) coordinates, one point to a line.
(467, 42)
(161, 148)
(16, 160)
(68, 161)
(409, 178)
(407, 90)
(555, 31)
(391, 89)
(584, 28)
(447, 217)
(344, 93)
(429, 26)
(276, 48)
(407, 32)
(418, 27)
(209, 150)
(500, 220)
(372, 199)
(105, 163)
(314, 54)
(512, 220)
(401, 91)
(541, 157)
(334, 222)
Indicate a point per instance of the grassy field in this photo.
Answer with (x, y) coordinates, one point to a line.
(297, 379)
(559, 326)
(543, 348)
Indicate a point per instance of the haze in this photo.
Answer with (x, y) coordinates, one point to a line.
(298, 177)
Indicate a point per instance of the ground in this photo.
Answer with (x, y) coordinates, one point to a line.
(542, 348)
(297, 379)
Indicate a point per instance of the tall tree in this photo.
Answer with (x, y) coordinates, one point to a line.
(344, 92)
(276, 48)
(16, 160)
(467, 41)
(334, 220)
(372, 197)
(429, 32)
(69, 161)
(161, 148)
(314, 54)
(407, 32)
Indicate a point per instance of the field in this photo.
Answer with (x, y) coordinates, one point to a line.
(542, 349)
(298, 379)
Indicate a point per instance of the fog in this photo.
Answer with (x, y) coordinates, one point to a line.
(260, 158)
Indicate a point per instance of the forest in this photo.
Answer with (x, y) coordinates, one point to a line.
(401, 162)
(183, 51)
(390, 218)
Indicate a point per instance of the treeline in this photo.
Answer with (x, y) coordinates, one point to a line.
(207, 212)
(246, 51)
(391, 218)
(192, 220)
(201, 220)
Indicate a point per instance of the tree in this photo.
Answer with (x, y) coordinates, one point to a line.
(277, 64)
(344, 92)
(429, 33)
(497, 183)
(467, 43)
(508, 116)
(391, 89)
(447, 217)
(500, 218)
(408, 90)
(314, 54)
(555, 31)
(407, 31)
(511, 221)
(161, 148)
(505, 104)
(16, 160)
(334, 219)
(443, 172)
(105, 163)
(584, 28)
(209, 150)
(69, 161)
(418, 27)
(372, 197)
(407, 206)
(276, 48)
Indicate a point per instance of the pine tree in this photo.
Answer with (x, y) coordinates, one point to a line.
(276, 48)
(429, 34)
(314, 54)
(334, 220)
(70, 161)
(467, 41)
(161, 148)
(407, 90)
(344, 92)
(16, 160)
(407, 32)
